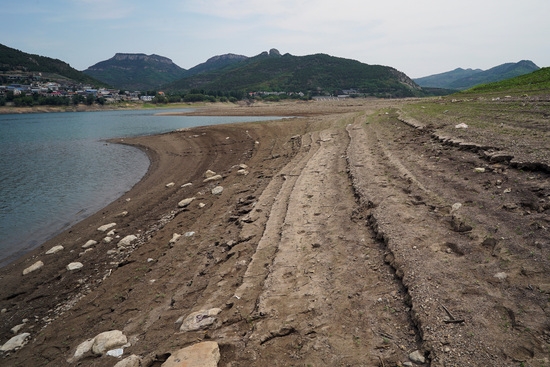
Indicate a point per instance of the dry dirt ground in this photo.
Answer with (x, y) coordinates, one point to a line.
(359, 235)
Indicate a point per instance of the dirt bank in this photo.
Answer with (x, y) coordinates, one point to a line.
(350, 239)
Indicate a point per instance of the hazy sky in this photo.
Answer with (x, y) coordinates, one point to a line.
(418, 37)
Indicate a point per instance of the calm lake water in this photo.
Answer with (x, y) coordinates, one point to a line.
(56, 169)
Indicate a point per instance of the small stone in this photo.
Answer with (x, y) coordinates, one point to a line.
(118, 352)
(170, 184)
(107, 239)
(85, 251)
(507, 191)
(200, 319)
(187, 184)
(17, 328)
(185, 202)
(127, 241)
(242, 172)
(417, 357)
(131, 361)
(37, 265)
(243, 166)
(122, 214)
(461, 126)
(74, 266)
(174, 238)
(479, 170)
(202, 205)
(217, 190)
(90, 243)
(108, 340)
(501, 275)
(189, 234)
(55, 250)
(106, 227)
(213, 178)
(205, 354)
(447, 349)
(209, 174)
(15, 343)
(456, 207)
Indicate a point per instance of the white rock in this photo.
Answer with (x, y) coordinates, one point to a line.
(108, 340)
(417, 357)
(213, 178)
(209, 174)
(118, 352)
(456, 207)
(185, 202)
(189, 234)
(111, 233)
(202, 205)
(16, 342)
(85, 251)
(107, 239)
(243, 166)
(217, 190)
(205, 354)
(55, 250)
(501, 275)
(187, 184)
(200, 319)
(479, 170)
(82, 350)
(131, 361)
(174, 238)
(242, 172)
(74, 266)
(127, 241)
(461, 126)
(170, 184)
(90, 243)
(106, 227)
(17, 328)
(37, 265)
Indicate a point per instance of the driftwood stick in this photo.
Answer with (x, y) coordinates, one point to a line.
(455, 321)
(448, 312)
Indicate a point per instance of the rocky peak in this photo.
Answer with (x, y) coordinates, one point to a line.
(141, 57)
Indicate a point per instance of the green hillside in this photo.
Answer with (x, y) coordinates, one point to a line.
(136, 71)
(535, 83)
(12, 60)
(319, 73)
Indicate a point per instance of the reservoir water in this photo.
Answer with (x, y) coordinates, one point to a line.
(56, 168)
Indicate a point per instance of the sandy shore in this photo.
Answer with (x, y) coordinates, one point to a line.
(335, 241)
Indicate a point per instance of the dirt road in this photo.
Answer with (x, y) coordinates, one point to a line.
(350, 238)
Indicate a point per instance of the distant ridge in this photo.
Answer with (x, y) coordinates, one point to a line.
(215, 63)
(136, 71)
(460, 79)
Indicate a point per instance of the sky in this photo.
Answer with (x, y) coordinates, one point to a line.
(419, 38)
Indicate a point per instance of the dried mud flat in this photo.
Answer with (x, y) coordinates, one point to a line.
(362, 233)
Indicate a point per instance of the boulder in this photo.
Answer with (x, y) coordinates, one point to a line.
(200, 319)
(55, 250)
(106, 227)
(217, 190)
(74, 266)
(89, 243)
(15, 343)
(127, 241)
(185, 202)
(205, 354)
(37, 265)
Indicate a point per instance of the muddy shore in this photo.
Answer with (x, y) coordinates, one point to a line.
(349, 234)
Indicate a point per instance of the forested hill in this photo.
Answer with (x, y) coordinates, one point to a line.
(319, 73)
(135, 71)
(12, 60)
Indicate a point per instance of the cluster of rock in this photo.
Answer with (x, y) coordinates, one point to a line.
(113, 342)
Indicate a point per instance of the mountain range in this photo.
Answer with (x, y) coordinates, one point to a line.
(460, 79)
(269, 72)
